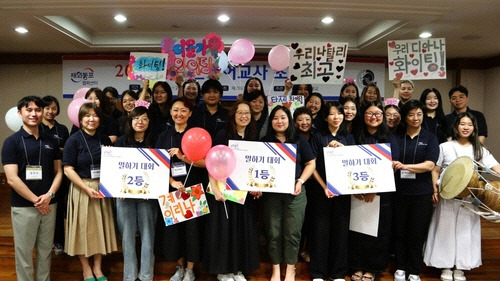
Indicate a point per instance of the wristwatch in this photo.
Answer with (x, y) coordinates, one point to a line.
(52, 195)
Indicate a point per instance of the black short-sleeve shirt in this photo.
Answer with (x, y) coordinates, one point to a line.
(320, 140)
(58, 132)
(14, 152)
(482, 128)
(201, 117)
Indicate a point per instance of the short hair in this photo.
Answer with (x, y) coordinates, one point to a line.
(130, 93)
(250, 129)
(460, 89)
(409, 106)
(189, 81)
(51, 99)
(25, 101)
(129, 131)
(301, 110)
(85, 109)
(212, 84)
(185, 101)
(295, 88)
(407, 82)
(111, 90)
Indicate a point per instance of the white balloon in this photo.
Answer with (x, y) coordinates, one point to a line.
(13, 120)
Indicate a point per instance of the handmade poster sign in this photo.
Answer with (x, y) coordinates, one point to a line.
(290, 102)
(237, 196)
(134, 172)
(417, 59)
(152, 66)
(317, 63)
(193, 57)
(356, 169)
(177, 206)
(263, 166)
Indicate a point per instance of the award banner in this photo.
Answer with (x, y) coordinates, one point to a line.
(357, 169)
(263, 166)
(134, 172)
(237, 196)
(179, 206)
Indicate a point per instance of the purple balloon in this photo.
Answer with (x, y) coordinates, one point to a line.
(220, 162)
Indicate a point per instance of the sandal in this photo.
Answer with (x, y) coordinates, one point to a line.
(102, 278)
(367, 277)
(356, 276)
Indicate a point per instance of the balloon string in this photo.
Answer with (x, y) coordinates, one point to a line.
(271, 87)
(189, 171)
(239, 70)
(232, 81)
(225, 208)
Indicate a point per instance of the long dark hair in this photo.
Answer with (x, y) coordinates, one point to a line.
(198, 96)
(165, 108)
(129, 131)
(250, 96)
(290, 133)
(250, 129)
(473, 138)
(322, 101)
(347, 85)
(295, 88)
(326, 111)
(365, 89)
(245, 91)
(360, 130)
(441, 117)
(350, 125)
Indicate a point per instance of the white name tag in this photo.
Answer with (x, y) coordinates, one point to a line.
(33, 172)
(405, 174)
(95, 171)
(179, 169)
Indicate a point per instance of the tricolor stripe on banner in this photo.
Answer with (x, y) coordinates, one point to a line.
(159, 155)
(284, 147)
(333, 189)
(231, 184)
(378, 150)
(103, 191)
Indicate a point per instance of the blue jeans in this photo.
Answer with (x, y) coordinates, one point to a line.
(133, 214)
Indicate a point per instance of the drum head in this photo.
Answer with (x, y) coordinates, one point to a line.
(456, 177)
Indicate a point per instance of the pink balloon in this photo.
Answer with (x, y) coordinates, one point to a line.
(220, 162)
(80, 93)
(241, 51)
(195, 143)
(279, 57)
(74, 108)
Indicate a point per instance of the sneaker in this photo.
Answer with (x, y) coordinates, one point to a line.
(239, 277)
(458, 275)
(413, 277)
(58, 249)
(318, 279)
(179, 273)
(188, 275)
(225, 277)
(446, 275)
(400, 275)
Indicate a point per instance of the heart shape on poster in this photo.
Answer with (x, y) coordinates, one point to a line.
(412, 55)
(328, 45)
(391, 63)
(341, 61)
(442, 73)
(184, 195)
(399, 75)
(392, 44)
(188, 214)
(338, 76)
(325, 78)
(339, 68)
(294, 45)
(293, 78)
(426, 73)
(296, 65)
(414, 71)
(319, 68)
(318, 58)
(424, 51)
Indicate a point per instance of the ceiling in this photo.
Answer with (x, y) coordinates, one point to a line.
(471, 27)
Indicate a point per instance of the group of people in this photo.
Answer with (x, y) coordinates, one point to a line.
(312, 222)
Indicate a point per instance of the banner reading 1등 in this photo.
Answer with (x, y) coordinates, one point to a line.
(358, 169)
(263, 166)
(134, 172)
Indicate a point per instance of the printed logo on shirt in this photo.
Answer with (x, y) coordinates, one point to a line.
(421, 143)
(47, 146)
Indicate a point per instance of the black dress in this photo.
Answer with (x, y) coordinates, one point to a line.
(231, 243)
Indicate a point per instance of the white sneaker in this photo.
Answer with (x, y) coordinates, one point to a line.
(413, 277)
(400, 275)
(458, 275)
(179, 273)
(318, 279)
(225, 277)
(188, 275)
(446, 275)
(239, 277)
(339, 279)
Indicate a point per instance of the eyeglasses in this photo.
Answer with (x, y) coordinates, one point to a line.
(371, 114)
(139, 119)
(243, 113)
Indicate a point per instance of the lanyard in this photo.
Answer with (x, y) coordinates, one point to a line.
(39, 153)
(58, 138)
(414, 152)
(88, 148)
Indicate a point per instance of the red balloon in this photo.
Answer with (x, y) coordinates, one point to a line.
(195, 143)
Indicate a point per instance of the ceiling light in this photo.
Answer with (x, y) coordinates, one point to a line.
(425, 35)
(21, 30)
(120, 18)
(327, 20)
(223, 18)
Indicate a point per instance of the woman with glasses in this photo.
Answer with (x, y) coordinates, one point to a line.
(369, 255)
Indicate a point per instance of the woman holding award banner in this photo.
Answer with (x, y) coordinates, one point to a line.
(133, 214)
(232, 246)
(284, 213)
(370, 254)
(180, 242)
(90, 228)
(328, 237)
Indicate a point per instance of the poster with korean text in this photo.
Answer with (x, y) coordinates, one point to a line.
(356, 169)
(237, 196)
(178, 206)
(134, 172)
(317, 63)
(290, 102)
(152, 66)
(193, 57)
(263, 166)
(417, 59)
